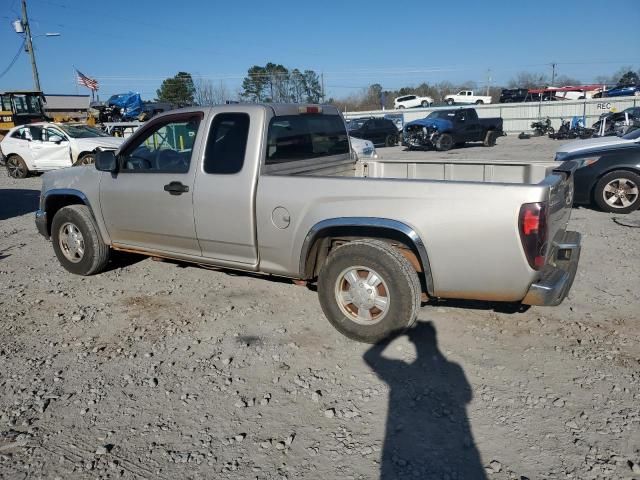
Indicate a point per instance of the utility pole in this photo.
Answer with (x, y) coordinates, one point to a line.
(553, 73)
(322, 85)
(27, 31)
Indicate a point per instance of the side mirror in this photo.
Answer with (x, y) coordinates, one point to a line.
(106, 161)
(56, 139)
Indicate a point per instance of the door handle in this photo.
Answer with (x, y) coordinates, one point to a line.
(176, 188)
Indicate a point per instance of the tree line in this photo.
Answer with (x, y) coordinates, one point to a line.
(276, 83)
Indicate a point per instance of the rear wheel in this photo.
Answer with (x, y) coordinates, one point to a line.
(450, 101)
(77, 241)
(618, 192)
(400, 107)
(425, 104)
(444, 142)
(490, 138)
(390, 140)
(479, 102)
(368, 290)
(16, 167)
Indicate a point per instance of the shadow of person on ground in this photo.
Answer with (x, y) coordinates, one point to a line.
(428, 434)
(15, 202)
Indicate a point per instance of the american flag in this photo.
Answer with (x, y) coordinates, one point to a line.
(90, 83)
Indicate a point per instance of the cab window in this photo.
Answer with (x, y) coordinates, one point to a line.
(166, 148)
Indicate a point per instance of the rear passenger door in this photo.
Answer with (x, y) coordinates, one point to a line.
(225, 187)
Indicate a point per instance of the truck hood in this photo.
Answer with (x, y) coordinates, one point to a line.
(108, 143)
(439, 124)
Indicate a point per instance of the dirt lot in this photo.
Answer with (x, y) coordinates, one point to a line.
(159, 370)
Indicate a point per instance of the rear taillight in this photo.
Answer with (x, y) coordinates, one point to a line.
(310, 109)
(532, 223)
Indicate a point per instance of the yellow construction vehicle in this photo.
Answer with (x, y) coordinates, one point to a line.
(19, 108)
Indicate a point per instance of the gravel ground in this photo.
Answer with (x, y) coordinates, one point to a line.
(158, 370)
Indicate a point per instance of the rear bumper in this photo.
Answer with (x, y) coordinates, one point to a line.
(41, 223)
(557, 277)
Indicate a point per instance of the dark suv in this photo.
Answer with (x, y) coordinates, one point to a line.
(380, 131)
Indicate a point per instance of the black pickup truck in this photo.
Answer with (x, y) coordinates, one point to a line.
(444, 129)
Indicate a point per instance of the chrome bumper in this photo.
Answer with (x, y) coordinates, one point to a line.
(41, 223)
(557, 277)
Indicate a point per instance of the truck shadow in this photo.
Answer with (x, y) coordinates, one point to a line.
(428, 434)
(15, 202)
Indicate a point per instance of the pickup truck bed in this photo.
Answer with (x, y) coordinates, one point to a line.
(290, 201)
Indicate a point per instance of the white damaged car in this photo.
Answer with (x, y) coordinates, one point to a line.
(43, 146)
(362, 148)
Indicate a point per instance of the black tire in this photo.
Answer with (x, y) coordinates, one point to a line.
(390, 140)
(399, 281)
(95, 253)
(425, 104)
(450, 101)
(444, 142)
(401, 107)
(618, 179)
(86, 159)
(490, 139)
(16, 167)
(479, 102)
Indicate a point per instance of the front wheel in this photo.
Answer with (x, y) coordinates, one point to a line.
(425, 104)
(16, 167)
(444, 142)
(368, 290)
(618, 192)
(77, 241)
(401, 107)
(86, 159)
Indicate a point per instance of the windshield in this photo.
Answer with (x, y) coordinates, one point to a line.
(82, 131)
(445, 114)
(26, 103)
(635, 134)
(355, 124)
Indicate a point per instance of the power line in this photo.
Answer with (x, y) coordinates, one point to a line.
(14, 60)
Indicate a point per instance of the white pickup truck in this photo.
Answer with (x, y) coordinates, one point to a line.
(274, 189)
(467, 96)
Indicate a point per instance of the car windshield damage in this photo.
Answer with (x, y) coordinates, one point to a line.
(82, 131)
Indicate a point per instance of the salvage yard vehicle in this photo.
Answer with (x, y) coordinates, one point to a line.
(20, 108)
(380, 131)
(608, 178)
(444, 129)
(467, 96)
(362, 149)
(597, 144)
(274, 189)
(43, 146)
(412, 101)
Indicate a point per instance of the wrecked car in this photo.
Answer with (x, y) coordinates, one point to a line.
(444, 129)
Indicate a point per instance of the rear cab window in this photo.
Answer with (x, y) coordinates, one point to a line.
(295, 138)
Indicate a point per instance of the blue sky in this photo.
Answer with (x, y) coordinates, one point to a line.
(133, 45)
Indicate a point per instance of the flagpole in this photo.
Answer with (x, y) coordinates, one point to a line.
(75, 79)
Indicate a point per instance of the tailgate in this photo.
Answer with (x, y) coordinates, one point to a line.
(559, 203)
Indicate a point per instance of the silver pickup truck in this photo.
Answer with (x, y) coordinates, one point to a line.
(275, 189)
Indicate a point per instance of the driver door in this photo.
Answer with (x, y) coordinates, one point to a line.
(148, 204)
(46, 154)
